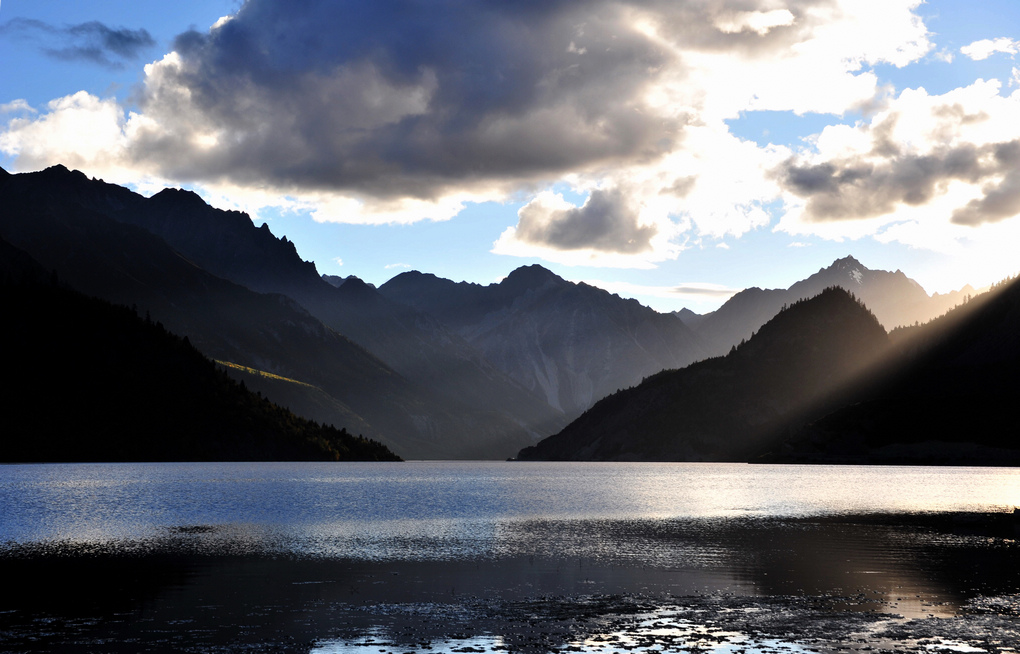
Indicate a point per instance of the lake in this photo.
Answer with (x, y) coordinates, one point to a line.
(507, 556)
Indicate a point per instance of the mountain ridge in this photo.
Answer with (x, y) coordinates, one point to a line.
(138, 393)
(476, 413)
(726, 408)
(447, 369)
(945, 396)
(573, 343)
(893, 297)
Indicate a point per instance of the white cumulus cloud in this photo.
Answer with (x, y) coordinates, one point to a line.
(985, 48)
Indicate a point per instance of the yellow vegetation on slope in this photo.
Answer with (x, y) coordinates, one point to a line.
(261, 373)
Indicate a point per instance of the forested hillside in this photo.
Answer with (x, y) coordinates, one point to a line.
(90, 381)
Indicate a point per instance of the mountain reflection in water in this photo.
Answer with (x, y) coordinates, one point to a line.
(523, 557)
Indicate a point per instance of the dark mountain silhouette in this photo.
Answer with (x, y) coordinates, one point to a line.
(946, 395)
(438, 369)
(445, 401)
(90, 381)
(729, 408)
(128, 265)
(571, 343)
(893, 297)
(475, 412)
(336, 280)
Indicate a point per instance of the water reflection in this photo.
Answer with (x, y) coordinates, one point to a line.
(436, 500)
(320, 557)
(659, 631)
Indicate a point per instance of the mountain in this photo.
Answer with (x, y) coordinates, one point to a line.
(94, 382)
(946, 396)
(475, 412)
(689, 318)
(729, 408)
(128, 265)
(893, 297)
(336, 280)
(571, 343)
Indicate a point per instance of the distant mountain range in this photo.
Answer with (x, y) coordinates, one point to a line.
(431, 367)
(729, 408)
(892, 296)
(244, 296)
(570, 343)
(823, 383)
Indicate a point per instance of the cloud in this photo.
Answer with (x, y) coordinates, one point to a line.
(959, 152)
(396, 112)
(760, 22)
(77, 130)
(857, 187)
(391, 266)
(702, 290)
(93, 41)
(605, 222)
(17, 106)
(985, 48)
(932, 172)
(693, 291)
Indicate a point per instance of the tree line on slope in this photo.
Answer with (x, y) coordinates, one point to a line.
(92, 381)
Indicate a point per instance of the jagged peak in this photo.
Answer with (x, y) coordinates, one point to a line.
(353, 282)
(531, 277)
(846, 263)
(63, 171)
(179, 196)
(415, 275)
(333, 280)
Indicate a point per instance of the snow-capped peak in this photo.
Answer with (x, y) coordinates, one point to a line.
(857, 276)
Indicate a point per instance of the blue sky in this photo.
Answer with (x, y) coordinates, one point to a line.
(670, 151)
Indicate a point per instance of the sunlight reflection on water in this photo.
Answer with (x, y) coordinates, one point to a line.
(659, 631)
(448, 509)
(486, 557)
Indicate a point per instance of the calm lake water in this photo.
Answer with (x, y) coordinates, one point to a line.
(316, 557)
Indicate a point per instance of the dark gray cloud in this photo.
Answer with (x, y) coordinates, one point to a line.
(411, 99)
(1001, 200)
(866, 186)
(606, 222)
(92, 41)
(858, 187)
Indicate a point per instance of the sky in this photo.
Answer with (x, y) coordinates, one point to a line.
(674, 151)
